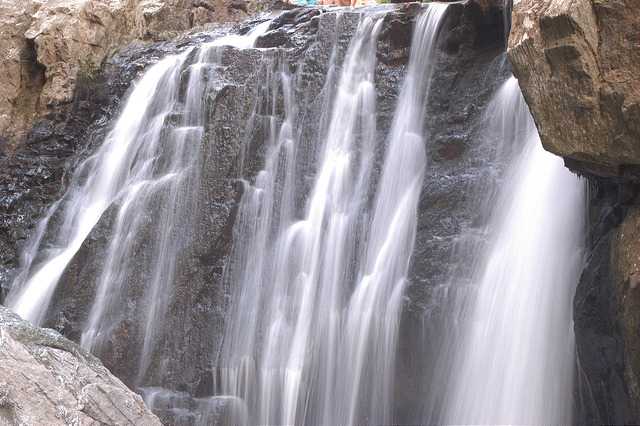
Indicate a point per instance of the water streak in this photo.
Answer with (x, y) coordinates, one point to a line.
(313, 325)
(142, 180)
(515, 361)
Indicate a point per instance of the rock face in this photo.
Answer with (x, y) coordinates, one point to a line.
(606, 382)
(578, 64)
(34, 173)
(49, 44)
(47, 379)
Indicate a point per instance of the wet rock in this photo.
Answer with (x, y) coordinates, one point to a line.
(578, 65)
(47, 379)
(277, 38)
(35, 173)
(605, 309)
(459, 162)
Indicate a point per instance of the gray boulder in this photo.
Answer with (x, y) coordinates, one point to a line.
(46, 379)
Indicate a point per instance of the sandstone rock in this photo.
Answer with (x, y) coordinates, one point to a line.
(21, 78)
(72, 36)
(47, 379)
(48, 44)
(578, 64)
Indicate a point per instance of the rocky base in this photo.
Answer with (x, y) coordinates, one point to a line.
(46, 379)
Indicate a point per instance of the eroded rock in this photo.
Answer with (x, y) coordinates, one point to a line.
(22, 77)
(47, 379)
(578, 64)
(50, 44)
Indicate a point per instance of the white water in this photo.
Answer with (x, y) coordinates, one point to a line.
(145, 168)
(314, 320)
(515, 362)
(109, 171)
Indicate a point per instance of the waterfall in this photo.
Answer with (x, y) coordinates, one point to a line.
(143, 177)
(121, 169)
(514, 362)
(311, 337)
(323, 237)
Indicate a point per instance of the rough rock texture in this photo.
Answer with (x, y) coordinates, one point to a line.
(50, 44)
(626, 258)
(47, 379)
(607, 308)
(22, 77)
(578, 64)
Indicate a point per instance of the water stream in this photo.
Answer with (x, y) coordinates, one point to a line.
(143, 175)
(313, 325)
(513, 362)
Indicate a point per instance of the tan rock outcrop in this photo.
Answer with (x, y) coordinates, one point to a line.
(70, 35)
(46, 379)
(578, 64)
(48, 43)
(21, 78)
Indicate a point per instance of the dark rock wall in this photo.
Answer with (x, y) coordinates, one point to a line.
(35, 174)
(606, 308)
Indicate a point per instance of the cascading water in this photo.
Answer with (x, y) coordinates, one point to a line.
(313, 325)
(108, 175)
(514, 361)
(323, 240)
(146, 168)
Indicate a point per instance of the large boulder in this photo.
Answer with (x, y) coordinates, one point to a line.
(47, 379)
(578, 64)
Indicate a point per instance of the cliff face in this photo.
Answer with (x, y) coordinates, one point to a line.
(578, 64)
(47, 379)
